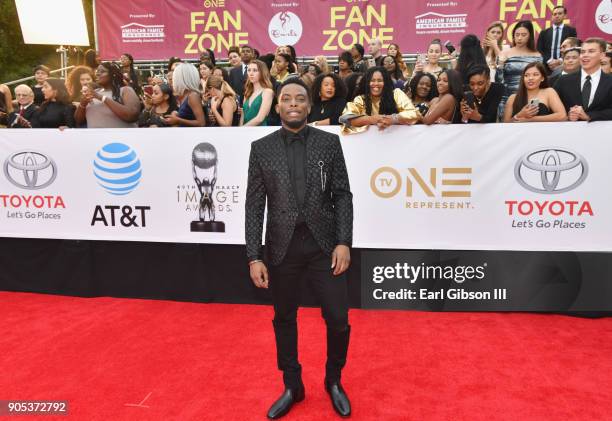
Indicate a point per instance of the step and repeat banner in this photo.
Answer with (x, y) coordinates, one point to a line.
(159, 29)
(469, 187)
(466, 193)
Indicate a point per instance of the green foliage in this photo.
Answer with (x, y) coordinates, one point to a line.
(18, 59)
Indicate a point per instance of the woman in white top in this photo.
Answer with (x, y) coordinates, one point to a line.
(112, 105)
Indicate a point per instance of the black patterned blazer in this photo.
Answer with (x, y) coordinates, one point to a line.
(328, 201)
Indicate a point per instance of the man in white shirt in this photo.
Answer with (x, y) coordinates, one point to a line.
(549, 41)
(587, 94)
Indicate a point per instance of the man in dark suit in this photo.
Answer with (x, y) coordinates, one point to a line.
(587, 93)
(23, 114)
(301, 173)
(238, 74)
(549, 41)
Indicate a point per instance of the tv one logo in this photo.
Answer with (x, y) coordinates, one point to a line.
(118, 171)
(447, 182)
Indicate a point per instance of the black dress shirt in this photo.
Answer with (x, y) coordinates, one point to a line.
(487, 107)
(295, 146)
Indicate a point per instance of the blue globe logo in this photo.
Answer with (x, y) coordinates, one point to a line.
(117, 168)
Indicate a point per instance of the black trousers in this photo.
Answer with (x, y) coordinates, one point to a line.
(305, 258)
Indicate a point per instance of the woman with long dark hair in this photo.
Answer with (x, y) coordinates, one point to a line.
(159, 106)
(535, 100)
(380, 105)
(514, 60)
(111, 105)
(130, 76)
(328, 100)
(56, 111)
(446, 107)
(423, 88)
(352, 82)
(471, 55)
(395, 72)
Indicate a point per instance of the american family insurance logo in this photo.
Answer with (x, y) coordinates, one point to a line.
(439, 22)
(136, 32)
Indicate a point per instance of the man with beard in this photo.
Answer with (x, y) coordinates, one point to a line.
(301, 173)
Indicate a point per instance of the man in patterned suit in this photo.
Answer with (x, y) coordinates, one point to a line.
(300, 171)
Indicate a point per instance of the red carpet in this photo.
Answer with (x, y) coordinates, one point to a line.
(120, 359)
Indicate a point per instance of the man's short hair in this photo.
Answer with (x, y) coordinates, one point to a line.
(294, 80)
(359, 49)
(43, 68)
(26, 88)
(560, 7)
(571, 50)
(600, 41)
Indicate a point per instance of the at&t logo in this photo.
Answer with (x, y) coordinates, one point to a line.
(118, 171)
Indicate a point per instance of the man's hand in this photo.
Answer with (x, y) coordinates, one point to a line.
(259, 274)
(341, 259)
(577, 113)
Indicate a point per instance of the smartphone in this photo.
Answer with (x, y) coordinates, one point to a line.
(450, 47)
(371, 62)
(535, 102)
(148, 89)
(421, 58)
(469, 98)
(336, 69)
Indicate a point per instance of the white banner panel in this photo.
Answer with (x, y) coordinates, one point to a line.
(533, 186)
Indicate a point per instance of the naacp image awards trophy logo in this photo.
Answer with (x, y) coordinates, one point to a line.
(204, 163)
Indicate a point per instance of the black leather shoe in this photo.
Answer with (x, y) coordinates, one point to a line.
(339, 399)
(285, 402)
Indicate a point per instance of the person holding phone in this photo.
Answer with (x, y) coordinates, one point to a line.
(535, 100)
(423, 89)
(429, 63)
(480, 103)
(160, 104)
(78, 79)
(112, 104)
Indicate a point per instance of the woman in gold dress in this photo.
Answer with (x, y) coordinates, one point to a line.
(380, 105)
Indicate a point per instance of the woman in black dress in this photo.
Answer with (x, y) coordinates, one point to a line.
(328, 100)
(56, 111)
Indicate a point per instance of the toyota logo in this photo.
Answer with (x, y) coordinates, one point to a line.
(551, 171)
(30, 170)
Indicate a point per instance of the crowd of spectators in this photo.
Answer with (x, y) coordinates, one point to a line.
(556, 77)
